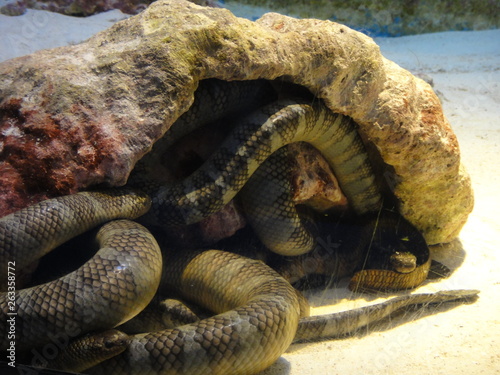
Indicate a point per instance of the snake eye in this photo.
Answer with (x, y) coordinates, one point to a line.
(108, 344)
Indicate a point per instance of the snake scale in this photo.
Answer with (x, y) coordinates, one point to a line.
(257, 318)
(257, 137)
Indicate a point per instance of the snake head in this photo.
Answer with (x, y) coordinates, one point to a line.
(392, 243)
(403, 261)
(89, 350)
(397, 256)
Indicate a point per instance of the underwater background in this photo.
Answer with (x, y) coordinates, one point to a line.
(384, 17)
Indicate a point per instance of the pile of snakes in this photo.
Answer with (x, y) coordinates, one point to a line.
(106, 317)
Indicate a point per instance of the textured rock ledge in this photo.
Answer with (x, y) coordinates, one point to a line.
(80, 116)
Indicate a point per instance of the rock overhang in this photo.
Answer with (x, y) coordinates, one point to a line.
(101, 105)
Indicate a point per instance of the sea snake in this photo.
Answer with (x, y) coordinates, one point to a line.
(256, 323)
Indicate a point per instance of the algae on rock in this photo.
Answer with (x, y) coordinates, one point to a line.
(393, 17)
(139, 76)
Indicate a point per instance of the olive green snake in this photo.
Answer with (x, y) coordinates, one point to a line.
(255, 324)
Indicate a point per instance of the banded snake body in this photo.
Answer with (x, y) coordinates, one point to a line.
(257, 319)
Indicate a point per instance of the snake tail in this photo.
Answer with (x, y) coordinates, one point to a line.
(348, 322)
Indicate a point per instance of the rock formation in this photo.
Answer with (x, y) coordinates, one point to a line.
(80, 116)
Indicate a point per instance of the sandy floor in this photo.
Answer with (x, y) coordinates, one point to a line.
(451, 339)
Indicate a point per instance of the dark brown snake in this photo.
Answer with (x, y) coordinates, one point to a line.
(258, 316)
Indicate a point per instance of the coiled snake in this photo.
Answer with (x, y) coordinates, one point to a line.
(258, 318)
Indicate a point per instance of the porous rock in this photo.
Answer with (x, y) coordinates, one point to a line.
(313, 181)
(79, 116)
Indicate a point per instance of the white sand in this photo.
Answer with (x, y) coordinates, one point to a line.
(465, 339)
(38, 29)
